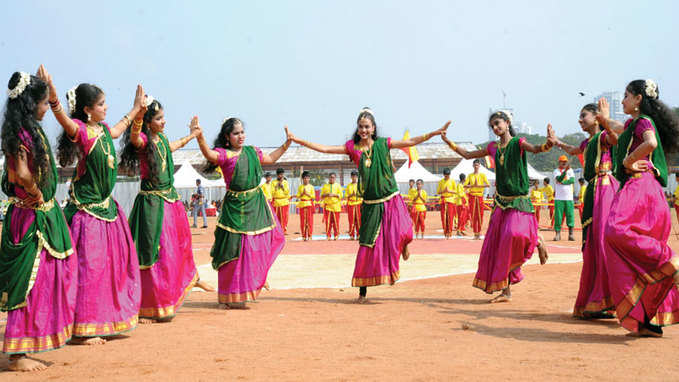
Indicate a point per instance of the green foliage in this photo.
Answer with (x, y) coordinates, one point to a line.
(545, 162)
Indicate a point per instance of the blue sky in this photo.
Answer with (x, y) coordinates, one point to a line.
(313, 64)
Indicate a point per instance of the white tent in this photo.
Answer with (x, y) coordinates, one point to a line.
(534, 174)
(185, 183)
(416, 171)
(466, 167)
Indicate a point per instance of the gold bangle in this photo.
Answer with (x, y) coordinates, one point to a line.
(127, 119)
(452, 146)
(57, 109)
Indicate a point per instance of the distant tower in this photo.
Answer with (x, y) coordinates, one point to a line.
(614, 99)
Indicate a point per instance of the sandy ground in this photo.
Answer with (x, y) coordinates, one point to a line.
(428, 328)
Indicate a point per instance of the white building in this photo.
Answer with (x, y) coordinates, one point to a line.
(614, 99)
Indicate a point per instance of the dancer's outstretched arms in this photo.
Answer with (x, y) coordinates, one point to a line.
(70, 127)
(119, 128)
(135, 139)
(551, 141)
(194, 132)
(398, 144)
(462, 152)
(604, 117)
(570, 149)
(211, 155)
(276, 154)
(315, 146)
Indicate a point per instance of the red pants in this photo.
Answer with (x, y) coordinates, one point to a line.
(461, 217)
(306, 221)
(419, 221)
(551, 214)
(537, 214)
(676, 209)
(331, 223)
(580, 207)
(476, 207)
(447, 217)
(354, 215)
(282, 215)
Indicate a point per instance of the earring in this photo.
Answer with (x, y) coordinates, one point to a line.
(89, 117)
(636, 109)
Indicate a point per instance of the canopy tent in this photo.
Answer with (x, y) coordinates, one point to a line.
(185, 183)
(416, 171)
(466, 167)
(534, 174)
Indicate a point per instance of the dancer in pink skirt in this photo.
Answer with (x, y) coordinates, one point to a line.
(158, 221)
(642, 268)
(248, 237)
(38, 267)
(512, 233)
(594, 297)
(108, 270)
(386, 226)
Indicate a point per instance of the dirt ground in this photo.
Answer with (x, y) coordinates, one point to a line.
(431, 329)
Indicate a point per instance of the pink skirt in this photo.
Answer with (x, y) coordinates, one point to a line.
(510, 241)
(242, 279)
(594, 295)
(109, 289)
(165, 285)
(380, 264)
(46, 322)
(640, 263)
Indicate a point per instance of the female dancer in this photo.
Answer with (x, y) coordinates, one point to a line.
(158, 222)
(642, 267)
(594, 297)
(108, 296)
(248, 237)
(386, 227)
(38, 267)
(512, 231)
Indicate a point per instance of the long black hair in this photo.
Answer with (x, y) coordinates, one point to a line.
(20, 113)
(222, 140)
(86, 95)
(666, 121)
(502, 115)
(129, 159)
(368, 114)
(594, 109)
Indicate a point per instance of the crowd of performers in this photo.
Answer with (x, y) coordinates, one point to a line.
(86, 272)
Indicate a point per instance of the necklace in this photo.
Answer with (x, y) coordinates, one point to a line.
(502, 150)
(368, 155)
(108, 152)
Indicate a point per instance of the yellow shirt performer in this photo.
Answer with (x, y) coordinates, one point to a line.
(447, 190)
(306, 195)
(461, 206)
(548, 192)
(331, 193)
(266, 187)
(581, 195)
(420, 207)
(476, 183)
(536, 198)
(280, 192)
(412, 193)
(354, 202)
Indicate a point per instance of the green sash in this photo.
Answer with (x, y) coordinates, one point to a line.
(245, 209)
(19, 262)
(146, 218)
(376, 184)
(91, 192)
(593, 153)
(511, 178)
(657, 156)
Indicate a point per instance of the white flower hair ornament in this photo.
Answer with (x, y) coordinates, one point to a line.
(651, 89)
(507, 114)
(226, 119)
(70, 97)
(366, 110)
(149, 100)
(24, 80)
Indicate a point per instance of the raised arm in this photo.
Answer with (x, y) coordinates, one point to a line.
(211, 155)
(398, 144)
(551, 141)
(135, 137)
(316, 146)
(272, 157)
(604, 117)
(572, 150)
(119, 128)
(462, 152)
(69, 126)
(181, 142)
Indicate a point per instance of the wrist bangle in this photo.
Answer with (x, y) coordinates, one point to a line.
(452, 146)
(127, 119)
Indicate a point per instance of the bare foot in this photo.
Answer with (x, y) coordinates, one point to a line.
(501, 298)
(19, 362)
(87, 341)
(146, 321)
(645, 332)
(361, 300)
(237, 305)
(204, 286)
(266, 286)
(542, 251)
(405, 253)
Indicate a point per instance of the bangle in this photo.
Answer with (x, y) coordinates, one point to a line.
(31, 192)
(452, 146)
(57, 109)
(54, 104)
(127, 119)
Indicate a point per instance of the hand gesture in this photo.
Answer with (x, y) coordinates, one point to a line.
(289, 136)
(43, 75)
(604, 108)
(637, 166)
(194, 127)
(551, 136)
(444, 137)
(140, 98)
(443, 129)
